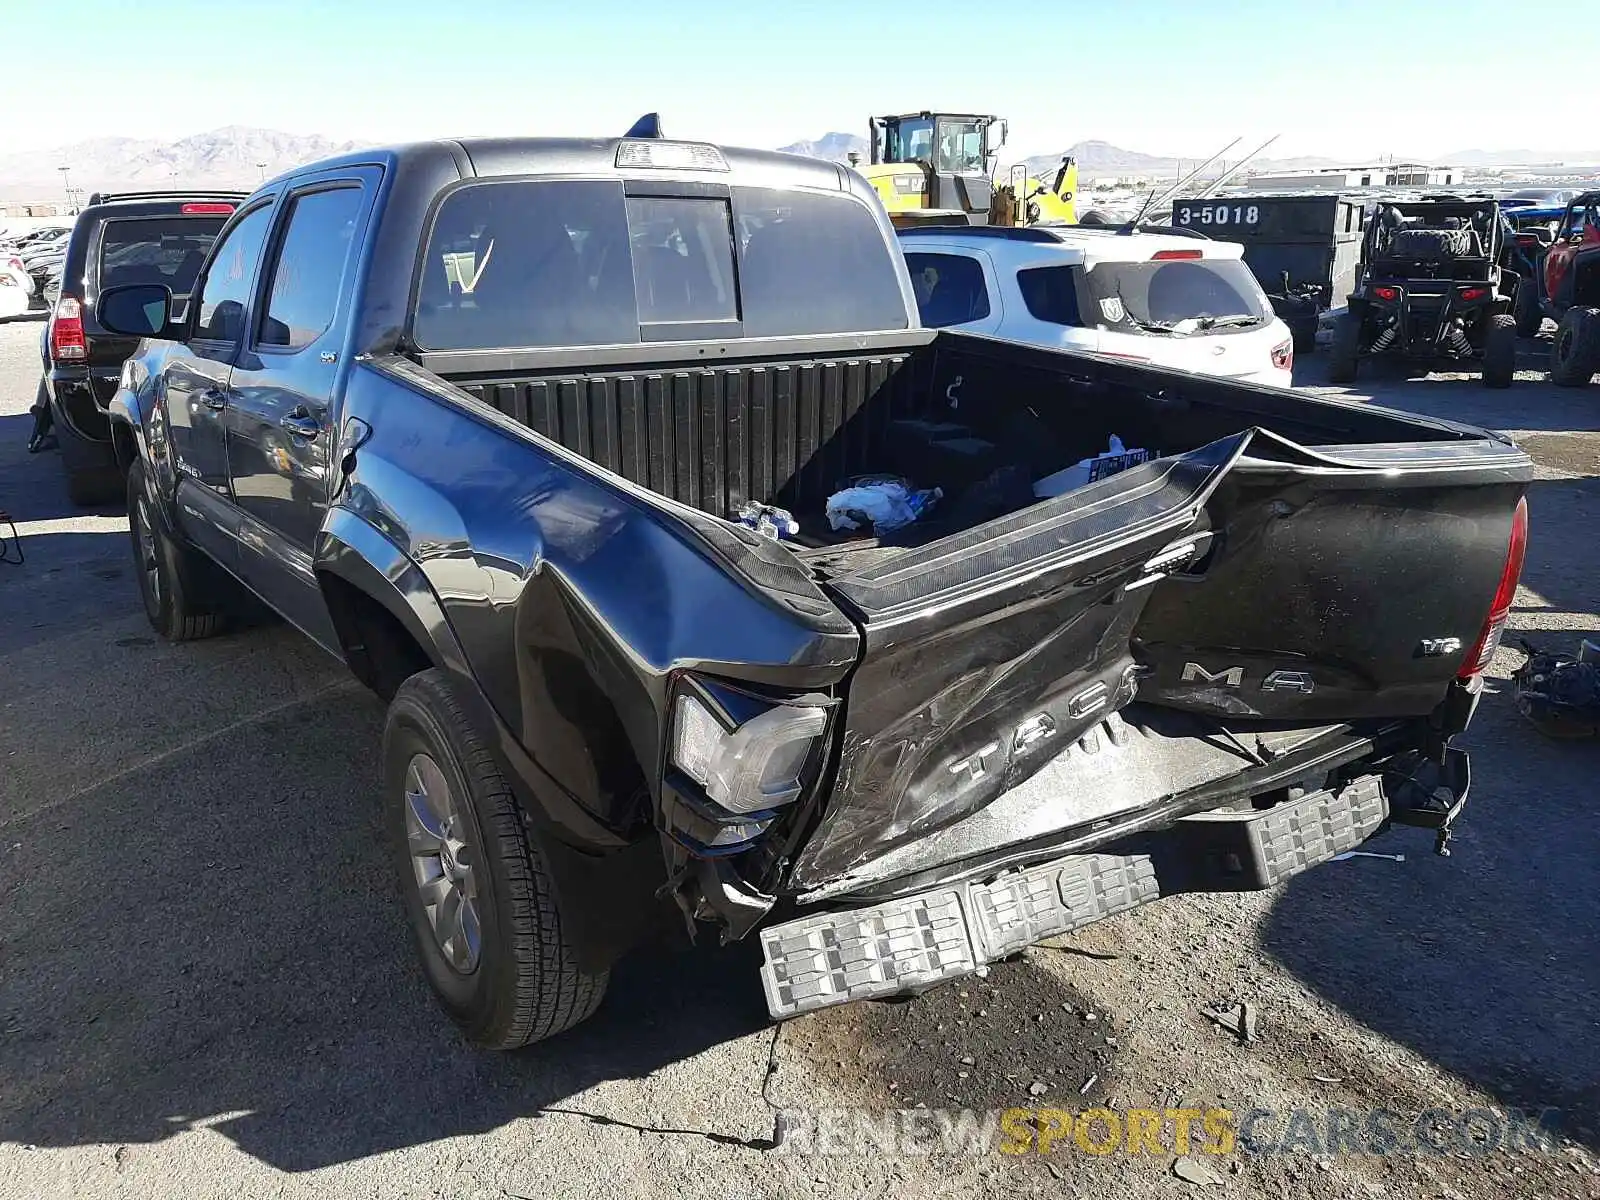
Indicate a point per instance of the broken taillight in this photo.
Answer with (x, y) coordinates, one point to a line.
(1495, 623)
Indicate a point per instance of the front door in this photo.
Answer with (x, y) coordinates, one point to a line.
(280, 416)
(197, 377)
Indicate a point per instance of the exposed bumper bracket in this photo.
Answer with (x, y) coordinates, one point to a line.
(911, 943)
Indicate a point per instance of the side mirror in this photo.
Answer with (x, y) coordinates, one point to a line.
(141, 310)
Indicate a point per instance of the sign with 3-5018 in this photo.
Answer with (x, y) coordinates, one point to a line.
(1217, 214)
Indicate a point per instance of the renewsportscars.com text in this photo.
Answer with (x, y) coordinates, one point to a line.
(1322, 1132)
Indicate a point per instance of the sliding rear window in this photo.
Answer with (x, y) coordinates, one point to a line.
(164, 250)
(549, 263)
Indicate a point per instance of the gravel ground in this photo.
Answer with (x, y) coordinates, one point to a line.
(205, 986)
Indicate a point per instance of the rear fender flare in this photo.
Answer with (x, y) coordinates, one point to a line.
(353, 550)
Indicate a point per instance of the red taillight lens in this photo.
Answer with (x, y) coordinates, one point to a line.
(66, 332)
(196, 209)
(1283, 356)
(1474, 293)
(1386, 293)
(1170, 255)
(1494, 625)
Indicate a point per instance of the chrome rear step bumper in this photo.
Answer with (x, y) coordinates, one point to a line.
(911, 943)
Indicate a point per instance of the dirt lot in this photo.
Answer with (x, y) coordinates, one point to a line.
(205, 986)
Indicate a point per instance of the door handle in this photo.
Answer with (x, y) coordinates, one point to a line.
(214, 399)
(300, 424)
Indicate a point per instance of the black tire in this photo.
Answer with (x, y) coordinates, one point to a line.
(524, 982)
(175, 583)
(93, 477)
(1500, 351)
(1575, 354)
(1304, 334)
(1344, 354)
(1529, 316)
(1430, 245)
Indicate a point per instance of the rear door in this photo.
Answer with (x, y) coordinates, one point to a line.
(196, 377)
(280, 417)
(1191, 313)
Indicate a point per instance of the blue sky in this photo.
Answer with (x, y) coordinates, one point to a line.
(1350, 78)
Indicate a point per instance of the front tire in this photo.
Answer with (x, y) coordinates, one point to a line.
(172, 576)
(1344, 355)
(1500, 352)
(478, 897)
(1575, 354)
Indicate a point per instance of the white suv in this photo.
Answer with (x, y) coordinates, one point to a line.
(1181, 302)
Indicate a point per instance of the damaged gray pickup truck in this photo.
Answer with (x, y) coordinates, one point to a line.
(480, 417)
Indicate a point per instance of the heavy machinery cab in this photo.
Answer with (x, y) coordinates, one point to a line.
(949, 159)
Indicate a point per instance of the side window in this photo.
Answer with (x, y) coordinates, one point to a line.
(794, 248)
(528, 264)
(225, 290)
(310, 267)
(1051, 294)
(682, 259)
(950, 289)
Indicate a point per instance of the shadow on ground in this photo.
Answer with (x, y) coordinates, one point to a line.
(1529, 405)
(33, 487)
(1487, 962)
(238, 959)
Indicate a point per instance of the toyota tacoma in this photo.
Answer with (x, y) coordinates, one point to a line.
(539, 437)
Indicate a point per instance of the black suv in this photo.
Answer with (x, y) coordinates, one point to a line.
(123, 238)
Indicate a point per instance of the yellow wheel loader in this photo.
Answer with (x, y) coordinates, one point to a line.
(938, 168)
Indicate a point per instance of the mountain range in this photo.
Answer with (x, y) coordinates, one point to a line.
(235, 156)
(240, 157)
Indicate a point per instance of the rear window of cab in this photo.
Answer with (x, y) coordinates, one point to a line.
(564, 263)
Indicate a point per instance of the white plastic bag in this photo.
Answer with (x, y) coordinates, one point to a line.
(885, 505)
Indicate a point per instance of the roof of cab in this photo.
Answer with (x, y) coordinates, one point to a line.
(500, 157)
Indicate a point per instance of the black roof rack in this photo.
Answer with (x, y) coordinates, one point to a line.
(181, 194)
(1012, 233)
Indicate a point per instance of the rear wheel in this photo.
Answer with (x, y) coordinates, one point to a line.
(1529, 316)
(173, 579)
(1344, 355)
(1500, 352)
(1575, 354)
(478, 896)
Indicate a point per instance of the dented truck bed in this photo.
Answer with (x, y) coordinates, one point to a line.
(1206, 672)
